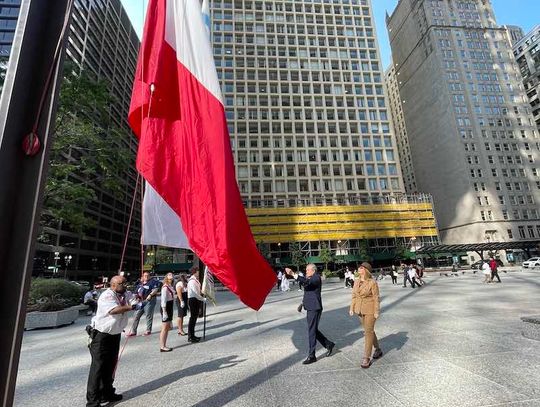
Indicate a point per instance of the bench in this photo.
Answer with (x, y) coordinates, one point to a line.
(531, 327)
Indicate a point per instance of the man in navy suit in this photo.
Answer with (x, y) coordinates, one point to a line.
(312, 303)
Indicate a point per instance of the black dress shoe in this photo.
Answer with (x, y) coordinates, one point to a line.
(194, 340)
(112, 398)
(330, 349)
(309, 360)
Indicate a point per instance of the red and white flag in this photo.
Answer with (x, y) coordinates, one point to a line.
(185, 154)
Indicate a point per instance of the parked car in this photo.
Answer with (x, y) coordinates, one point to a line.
(478, 264)
(532, 263)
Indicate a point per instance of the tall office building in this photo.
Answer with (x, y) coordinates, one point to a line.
(9, 13)
(515, 33)
(527, 54)
(103, 43)
(473, 141)
(400, 130)
(310, 127)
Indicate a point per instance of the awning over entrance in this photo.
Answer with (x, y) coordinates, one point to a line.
(480, 247)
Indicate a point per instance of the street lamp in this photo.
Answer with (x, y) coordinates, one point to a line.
(56, 258)
(67, 259)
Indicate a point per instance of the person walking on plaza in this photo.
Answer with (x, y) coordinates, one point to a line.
(411, 271)
(167, 311)
(406, 277)
(285, 286)
(279, 277)
(365, 304)
(90, 300)
(181, 302)
(419, 274)
(494, 269)
(195, 300)
(312, 303)
(394, 274)
(349, 278)
(147, 290)
(105, 332)
(486, 271)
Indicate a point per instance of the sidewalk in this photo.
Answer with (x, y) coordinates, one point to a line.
(454, 342)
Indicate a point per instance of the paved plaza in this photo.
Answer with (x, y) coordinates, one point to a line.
(454, 342)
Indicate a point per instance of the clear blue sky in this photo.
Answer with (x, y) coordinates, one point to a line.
(525, 13)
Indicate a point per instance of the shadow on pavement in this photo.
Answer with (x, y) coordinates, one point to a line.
(299, 339)
(235, 329)
(212, 366)
(393, 341)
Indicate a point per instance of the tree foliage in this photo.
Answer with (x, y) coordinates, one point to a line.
(3, 70)
(326, 255)
(297, 256)
(363, 250)
(89, 150)
(400, 251)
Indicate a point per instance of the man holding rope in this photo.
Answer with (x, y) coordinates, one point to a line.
(107, 326)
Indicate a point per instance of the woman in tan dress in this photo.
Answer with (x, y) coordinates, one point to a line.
(365, 304)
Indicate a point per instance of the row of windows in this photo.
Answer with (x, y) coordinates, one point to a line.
(296, 114)
(296, 19)
(530, 232)
(256, 171)
(308, 128)
(504, 160)
(299, 141)
(341, 6)
(313, 156)
(513, 199)
(279, 186)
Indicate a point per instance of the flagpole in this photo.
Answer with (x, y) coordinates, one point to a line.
(27, 107)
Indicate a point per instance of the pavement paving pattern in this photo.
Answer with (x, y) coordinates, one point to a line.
(454, 342)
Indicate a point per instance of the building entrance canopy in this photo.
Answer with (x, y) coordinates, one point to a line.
(525, 245)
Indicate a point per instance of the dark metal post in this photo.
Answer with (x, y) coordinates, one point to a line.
(22, 177)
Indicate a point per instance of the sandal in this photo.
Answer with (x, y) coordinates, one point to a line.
(181, 333)
(365, 363)
(165, 349)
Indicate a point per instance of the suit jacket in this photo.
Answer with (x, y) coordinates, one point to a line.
(312, 292)
(365, 298)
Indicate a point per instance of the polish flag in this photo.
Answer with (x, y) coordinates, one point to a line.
(185, 155)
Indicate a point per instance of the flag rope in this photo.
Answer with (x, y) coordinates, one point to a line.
(133, 203)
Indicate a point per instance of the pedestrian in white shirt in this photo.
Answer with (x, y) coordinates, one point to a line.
(412, 276)
(486, 271)
(195, 300)
(167, 304)
(110, 320)
(279, 277)
(285, 283)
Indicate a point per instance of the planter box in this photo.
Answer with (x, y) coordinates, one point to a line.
(332, 280)
(53, 319)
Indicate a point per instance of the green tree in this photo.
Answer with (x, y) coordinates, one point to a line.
(264, 250)
(363, 250)
(88, 150)
(326, 255)
(3, 70)
(297, 256)
(400, 251)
